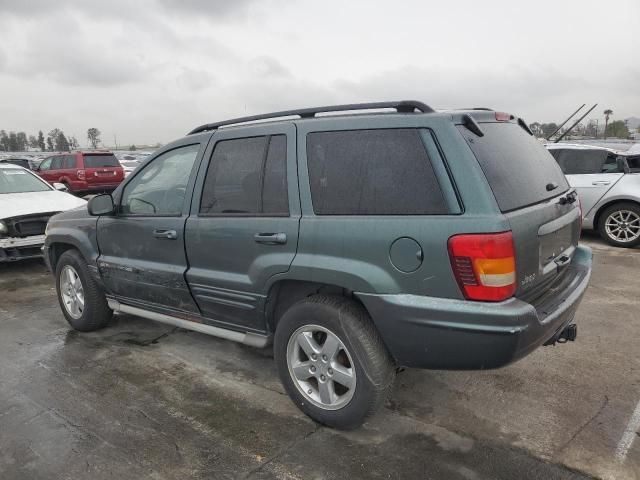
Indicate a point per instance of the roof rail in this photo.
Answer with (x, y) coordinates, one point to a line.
(402, 106)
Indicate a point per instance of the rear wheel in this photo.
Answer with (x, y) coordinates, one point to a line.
(619, 224)
(81, 299)
(332, 361)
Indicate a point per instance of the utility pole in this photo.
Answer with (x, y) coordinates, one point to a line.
(115, 141)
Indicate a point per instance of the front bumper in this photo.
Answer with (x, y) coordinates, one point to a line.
(440, 333)
(15, 248)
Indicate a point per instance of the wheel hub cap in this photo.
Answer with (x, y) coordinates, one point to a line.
(321, 367)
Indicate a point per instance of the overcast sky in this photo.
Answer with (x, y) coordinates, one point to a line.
(150, 70)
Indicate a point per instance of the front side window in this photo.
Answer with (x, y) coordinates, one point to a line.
(160, 188)
(69, 162)
(584, 162)
(45, 164)
(372, 172)
(56, 163)
(247, 176)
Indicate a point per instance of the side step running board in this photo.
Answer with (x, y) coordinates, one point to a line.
(248, 338)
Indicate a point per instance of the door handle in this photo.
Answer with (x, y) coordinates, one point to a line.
(601, 183)
(168, 234)
(270, 238)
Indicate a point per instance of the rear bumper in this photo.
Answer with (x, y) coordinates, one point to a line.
(14, 249)
(427, 332)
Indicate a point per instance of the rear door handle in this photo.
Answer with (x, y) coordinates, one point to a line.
(270, 238)
(168, 234)
(601, 183)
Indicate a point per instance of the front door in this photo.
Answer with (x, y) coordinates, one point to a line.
(243, 227)
(142, 257)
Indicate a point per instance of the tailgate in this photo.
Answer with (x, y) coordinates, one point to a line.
(103, 169)
(533, 194)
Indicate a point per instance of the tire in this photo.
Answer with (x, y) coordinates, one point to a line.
(620, 220)
(95, 313)
(361, 355)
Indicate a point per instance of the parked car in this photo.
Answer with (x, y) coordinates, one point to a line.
(608, 184)
(26, 203)
(83, 172)
(129, 166)
(22, 162)
(357, 243)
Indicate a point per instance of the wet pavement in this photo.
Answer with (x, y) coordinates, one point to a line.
(144, 400)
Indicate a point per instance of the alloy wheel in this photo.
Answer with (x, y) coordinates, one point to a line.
(623, 226)
(72, 291)
(321, 367)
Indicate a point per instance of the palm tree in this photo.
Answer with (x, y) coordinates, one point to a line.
(607, 113)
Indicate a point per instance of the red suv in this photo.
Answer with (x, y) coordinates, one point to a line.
(83, 172)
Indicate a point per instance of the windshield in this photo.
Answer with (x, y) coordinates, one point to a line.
(14, 180)
(98, 161)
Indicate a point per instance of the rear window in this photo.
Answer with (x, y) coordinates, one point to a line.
(372, 172)
(99, 161)
(518, 168)
(584, 161)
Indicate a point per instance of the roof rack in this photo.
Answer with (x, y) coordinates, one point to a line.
(402, 106)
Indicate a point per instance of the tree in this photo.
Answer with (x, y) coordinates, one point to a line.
(41, 141)
(62, 144)
(607, 114)
(73, 143)
(52, 137)
(548, 128)
(49, 144)
(132, 148)
(13, 142)
(617, 129)
(22, 142)
(93, 135)
(536, 128)
(591, 130)
(33, 141)
(4, 140)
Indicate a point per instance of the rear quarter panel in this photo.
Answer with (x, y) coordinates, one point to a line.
(353, 251)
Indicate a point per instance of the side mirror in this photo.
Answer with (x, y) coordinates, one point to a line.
(101, 205)
(60, 187)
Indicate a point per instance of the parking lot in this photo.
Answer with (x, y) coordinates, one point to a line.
(144, 400)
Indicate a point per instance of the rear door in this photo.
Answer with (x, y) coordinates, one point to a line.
(102, 169)
(142, 251)
(243, 227)
(533, 194)
(591, 172)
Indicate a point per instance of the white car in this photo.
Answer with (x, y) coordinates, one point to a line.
(26, 203)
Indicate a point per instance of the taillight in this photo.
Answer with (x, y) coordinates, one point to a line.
(484, 265)
(80, 174)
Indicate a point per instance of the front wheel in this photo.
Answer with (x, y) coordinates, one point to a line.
(81, 299)
(619, 225)
(332, 361)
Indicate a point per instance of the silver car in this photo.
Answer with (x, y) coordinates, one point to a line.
(608, 185)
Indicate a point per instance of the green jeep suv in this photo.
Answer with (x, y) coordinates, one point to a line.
(356, 238)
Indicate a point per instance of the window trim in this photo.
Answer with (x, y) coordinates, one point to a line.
(265, 155)
(420, 131)
(188, 188)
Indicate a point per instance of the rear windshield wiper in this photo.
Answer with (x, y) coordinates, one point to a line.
(471, 125)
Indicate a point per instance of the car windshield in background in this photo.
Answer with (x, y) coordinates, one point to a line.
(517, 166)
(99, 161)
(14, 180)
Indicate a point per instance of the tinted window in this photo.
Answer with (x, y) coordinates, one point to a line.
(45, 164)
(159, 189)
(98, 161)
(69, 161)
(372, 172)
(579, 162)
(634, 164)
(56, 163)
(517, 167)
(244, 177)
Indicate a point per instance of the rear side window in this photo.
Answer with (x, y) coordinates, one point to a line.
(56, 163)
(583, 161)
(518, 168)
(247, 176)
(100, 161)
(372, 172)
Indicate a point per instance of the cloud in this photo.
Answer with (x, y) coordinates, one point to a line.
(194, 80)
(269, 67)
